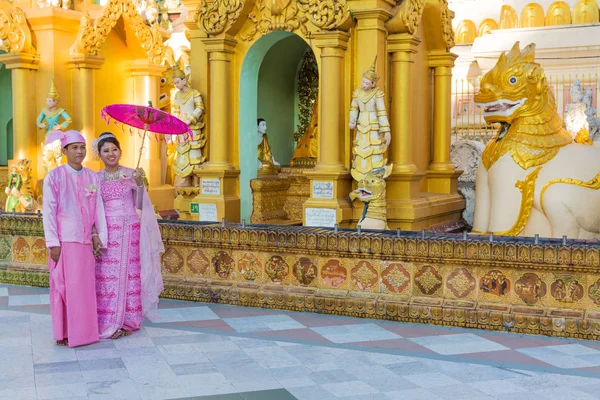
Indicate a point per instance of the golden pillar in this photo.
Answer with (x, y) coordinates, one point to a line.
(403, 185)
(370, 40)
(442, 176)
(24, 67)
(83, 69)
(146, 87)
(330, 180)
(219, 178)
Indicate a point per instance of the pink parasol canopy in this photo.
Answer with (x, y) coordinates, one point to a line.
(149, 119)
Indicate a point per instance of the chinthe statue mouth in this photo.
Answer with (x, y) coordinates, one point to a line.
(364, 192)
(502, 108)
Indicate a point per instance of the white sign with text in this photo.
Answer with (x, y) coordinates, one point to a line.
(322, 189)
(207, 213)
(211, 186)
(321, 217)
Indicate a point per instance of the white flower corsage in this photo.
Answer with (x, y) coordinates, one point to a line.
(90, 190)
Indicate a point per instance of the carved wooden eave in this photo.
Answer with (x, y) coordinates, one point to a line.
(408, 15)
(14, 31)
(217, 17)
(93, 33)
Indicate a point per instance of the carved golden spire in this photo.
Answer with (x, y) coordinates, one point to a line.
(52, 93)
(371, 74)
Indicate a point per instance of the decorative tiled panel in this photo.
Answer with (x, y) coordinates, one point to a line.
(505, 283)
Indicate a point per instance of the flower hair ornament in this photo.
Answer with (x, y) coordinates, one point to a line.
(95, 142)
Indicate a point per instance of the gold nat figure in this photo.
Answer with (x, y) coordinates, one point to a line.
(189, 107)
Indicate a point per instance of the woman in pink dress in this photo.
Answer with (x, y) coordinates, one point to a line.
(128, 275)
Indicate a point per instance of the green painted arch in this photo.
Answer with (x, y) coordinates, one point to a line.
(268, 90)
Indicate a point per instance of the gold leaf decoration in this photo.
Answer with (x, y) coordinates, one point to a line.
(275, 17)
(326, 14)
(15, 36)
(93, 33)
(217, 16)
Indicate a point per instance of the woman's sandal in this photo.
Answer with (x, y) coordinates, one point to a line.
(117, 334)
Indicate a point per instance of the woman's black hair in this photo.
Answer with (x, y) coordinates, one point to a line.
(258, 121)
(105, 138)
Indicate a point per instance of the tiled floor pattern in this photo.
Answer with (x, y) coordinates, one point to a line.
(207, 351)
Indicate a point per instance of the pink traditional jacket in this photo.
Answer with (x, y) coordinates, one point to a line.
(72, 206)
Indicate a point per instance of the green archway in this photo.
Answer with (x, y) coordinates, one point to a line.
(268, 90)
(6, 139)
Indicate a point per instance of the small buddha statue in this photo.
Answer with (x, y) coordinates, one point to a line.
(189, 107)
(307, 148)
(51, 115)
(266, 162)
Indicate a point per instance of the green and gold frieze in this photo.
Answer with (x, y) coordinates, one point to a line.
(514, 284)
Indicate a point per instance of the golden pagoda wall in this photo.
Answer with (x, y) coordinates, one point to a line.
(546, 288)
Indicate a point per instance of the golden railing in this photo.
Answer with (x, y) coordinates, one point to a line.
(467, 118)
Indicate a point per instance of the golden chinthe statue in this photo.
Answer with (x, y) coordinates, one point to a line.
(368, 117)
(533, 179)
(189, 107)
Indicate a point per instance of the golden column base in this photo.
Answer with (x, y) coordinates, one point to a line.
(218, 190)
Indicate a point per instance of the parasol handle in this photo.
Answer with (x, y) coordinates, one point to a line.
(142, 146)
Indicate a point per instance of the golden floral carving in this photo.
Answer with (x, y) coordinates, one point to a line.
(408, 17)
(15, 36)
(93, 33)
(218, 16)
(172, 261)
(277, 269)
(461, 283)
(249, 267)
(395, 278)
(447, 17)
(269, 16)
(326, 14)
(428, 280)
(364, 276)
(197, 262)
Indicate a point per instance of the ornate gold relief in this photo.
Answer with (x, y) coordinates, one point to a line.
(93, 33)
(407, 18)
(327, 14)
(532, 16)
(15, 35)
(508, 18)
(486, 26)
(585, 12)
(466, 32)
(558, 13)
(275, 15)
(217, 16)
(447, 17)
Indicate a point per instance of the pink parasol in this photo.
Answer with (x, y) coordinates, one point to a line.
(149, 119)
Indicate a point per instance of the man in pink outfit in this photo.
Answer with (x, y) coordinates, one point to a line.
(75, 228)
